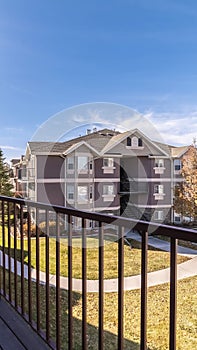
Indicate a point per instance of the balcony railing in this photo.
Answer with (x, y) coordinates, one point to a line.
(37, 295)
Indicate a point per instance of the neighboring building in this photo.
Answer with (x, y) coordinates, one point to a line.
(19, 176)
(104, 171)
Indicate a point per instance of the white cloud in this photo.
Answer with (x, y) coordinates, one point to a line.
(11, 148)
(175, 129)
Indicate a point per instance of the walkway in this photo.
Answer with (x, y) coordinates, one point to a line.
(162, 245)
(184, 270)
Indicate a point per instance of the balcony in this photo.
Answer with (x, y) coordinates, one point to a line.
(132, 187)
(70, 313)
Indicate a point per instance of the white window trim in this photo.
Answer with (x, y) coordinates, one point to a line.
(158, 215)
(108, 169)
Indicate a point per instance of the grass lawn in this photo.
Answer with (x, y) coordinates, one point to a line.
(132, 257)
(158, 317)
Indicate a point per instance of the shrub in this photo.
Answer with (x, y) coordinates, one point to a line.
(52, 227)
(32, 230)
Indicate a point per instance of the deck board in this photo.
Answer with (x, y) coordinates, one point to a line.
(15, 333)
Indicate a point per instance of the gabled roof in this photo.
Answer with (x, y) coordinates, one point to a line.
(178, 152)
(101, 142)
(75, 146)
(115, 140)
(97, 140)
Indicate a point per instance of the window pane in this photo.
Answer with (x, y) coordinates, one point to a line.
(108, 189)
(70, 162)
(70, 191)
(134, 141)
(82, 193)
(82, 163)
(108, 162)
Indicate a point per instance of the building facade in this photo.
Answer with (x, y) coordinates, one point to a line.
(104, 171)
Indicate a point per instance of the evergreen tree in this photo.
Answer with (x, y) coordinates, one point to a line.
(5, 184)
(186, 192)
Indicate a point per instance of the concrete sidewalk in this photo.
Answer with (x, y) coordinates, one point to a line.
(185, 270)
(163, 245)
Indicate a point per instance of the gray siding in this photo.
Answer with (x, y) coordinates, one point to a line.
(50, 167)
(51, 193)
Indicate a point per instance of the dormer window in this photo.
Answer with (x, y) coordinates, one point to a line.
(134, 142)
(129, 141)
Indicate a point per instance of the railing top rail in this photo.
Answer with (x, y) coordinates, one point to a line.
(144, 226)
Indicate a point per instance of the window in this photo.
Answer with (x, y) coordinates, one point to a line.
(108, 166)
(158, 215)
(159, 163)
(158, 189)
(83, 164)
(108, 190)
(140, 142)
(82, 194)
(177, 218)
(91, 164)
(108, 162)
(134, 141)
(90, 193)
(128, 141)
(177, 165)
(70, 163)
(70, 192)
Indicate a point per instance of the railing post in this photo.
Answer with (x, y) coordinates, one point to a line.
(70, 286)
(173, 292)
(121, 289)
(84, 286)
(101, 284)
(144, 262)
(57, 282)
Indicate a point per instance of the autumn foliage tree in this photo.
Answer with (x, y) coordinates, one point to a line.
(186, 192)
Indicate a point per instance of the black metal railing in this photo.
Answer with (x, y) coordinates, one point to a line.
(33, 295)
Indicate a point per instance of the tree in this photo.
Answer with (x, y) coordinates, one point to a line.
(5, 184)
(186, 192)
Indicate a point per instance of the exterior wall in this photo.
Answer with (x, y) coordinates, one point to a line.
(50, 167)
(98, 168)
(100, 201)
(51, 193)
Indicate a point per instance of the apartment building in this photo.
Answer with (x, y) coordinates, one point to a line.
(105, 171)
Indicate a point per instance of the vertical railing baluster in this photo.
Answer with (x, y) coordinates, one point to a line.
(9, 251)
(15, 259)
(37, 270)
(22, 259)
(173, 292)
(47, 277)
(101, 285)
(144, 263)
(57, 283)
(120, 288)
(3, 242)
(70, 292)
(29, 263)
(84, 286)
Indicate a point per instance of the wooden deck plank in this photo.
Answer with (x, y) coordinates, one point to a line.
(15, 330)
(7, 338)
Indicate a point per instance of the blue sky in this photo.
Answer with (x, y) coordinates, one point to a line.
(58, 54)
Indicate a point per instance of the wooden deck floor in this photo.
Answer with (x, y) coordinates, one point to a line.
(15, 333)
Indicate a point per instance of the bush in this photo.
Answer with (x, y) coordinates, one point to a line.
(32, 230)
(52, 227)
